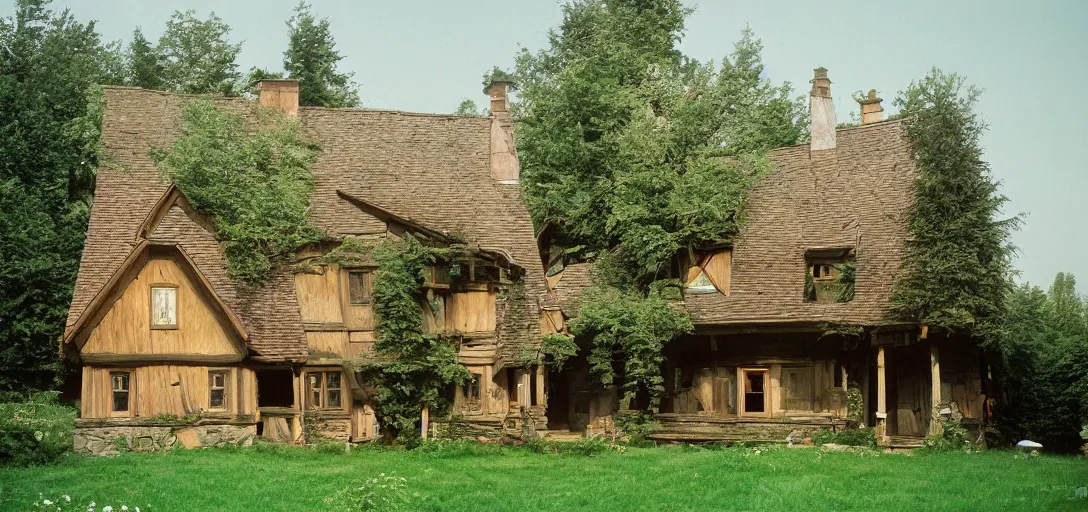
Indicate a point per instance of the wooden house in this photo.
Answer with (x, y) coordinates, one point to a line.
(174, 351)
(793, 315)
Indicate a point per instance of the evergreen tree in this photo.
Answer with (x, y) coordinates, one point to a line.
(197, 57)
(311, 58)
(145, 63)
(956, 274)
(49, 65)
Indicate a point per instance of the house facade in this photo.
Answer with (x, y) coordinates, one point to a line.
(792, 329)
(172, 350)
(791, 318)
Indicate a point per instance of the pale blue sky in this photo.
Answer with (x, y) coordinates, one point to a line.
(1029, 56)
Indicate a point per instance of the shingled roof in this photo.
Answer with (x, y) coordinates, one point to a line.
(854, 196)
(433, 169)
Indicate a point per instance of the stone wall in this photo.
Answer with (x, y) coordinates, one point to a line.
(111, 440)
(331, 429)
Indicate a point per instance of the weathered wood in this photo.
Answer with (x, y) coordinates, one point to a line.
(718, 270)
(470, 311)
(126, 330)
(881, 395)
(935, 388)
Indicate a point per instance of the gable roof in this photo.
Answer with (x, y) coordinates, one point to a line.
(854, 196)
(432, 170)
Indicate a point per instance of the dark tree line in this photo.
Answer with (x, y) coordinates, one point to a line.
(50, 114)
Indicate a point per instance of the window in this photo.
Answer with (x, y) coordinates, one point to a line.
(120, 385)
(217, 389)
(358, 287)
(472, 388)
(710, 272)
(164, 307)
(755, 396)
(326, 391)
(829, 275)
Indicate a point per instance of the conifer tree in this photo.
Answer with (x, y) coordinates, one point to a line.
(311, 58)
(145, 63)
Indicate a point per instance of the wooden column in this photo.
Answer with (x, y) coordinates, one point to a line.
(424, 423)
(935, 389)
(540, 398)
(296, 420)
(485, 391)
(881, 396)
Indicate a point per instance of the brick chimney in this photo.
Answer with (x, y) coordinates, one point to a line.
(871, 110)
(822, 112)
(279, 93)
(504, 157)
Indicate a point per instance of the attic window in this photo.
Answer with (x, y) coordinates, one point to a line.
(829, 276)
(164, 307)
(556, 261)
(358, 288)
(710, 273)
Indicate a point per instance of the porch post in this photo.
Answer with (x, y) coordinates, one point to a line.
(424, 422)
(881, 396)
(540, 386)
(935, 389)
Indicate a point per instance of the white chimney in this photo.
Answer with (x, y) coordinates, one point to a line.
(821, 112)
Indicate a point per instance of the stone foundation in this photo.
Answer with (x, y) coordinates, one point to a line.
(111, 440)
(698, 428)
(332, 429)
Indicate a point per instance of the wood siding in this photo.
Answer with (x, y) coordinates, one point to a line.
(167, 390)
(126, 328)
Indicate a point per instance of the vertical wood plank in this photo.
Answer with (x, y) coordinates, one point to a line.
(881, 395)
(935, 387)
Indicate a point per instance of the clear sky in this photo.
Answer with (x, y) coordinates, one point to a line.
(1030, 57)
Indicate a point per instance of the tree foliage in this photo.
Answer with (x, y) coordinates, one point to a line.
(311, 58)
(637, 152)
(49, 64)
(197, 57)
(468, 107)
(413, 367)
(218, 155)
(629, 331)
(956, 273)
(144, 63)
(1044, 349)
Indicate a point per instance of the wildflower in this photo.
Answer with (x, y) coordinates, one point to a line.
(67, 498)
(107, 508)
(47, 502)
(124, 507)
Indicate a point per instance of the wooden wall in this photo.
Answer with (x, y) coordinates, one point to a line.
(167, 389)
(126, 327)
(471, 311)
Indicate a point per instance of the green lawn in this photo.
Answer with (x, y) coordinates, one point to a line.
(489, 478)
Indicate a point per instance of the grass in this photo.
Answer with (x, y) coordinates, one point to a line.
(467, 477)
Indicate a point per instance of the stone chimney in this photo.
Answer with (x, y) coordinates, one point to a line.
(871, 111)
(279, 93)
(504, 157)
(822, 112)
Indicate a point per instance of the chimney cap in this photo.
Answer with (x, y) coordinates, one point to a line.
(870, 98)
(819, 73)
(277, 81)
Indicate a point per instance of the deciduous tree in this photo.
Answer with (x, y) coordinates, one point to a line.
(197, 56)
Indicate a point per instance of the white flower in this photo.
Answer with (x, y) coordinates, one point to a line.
(107, 508)
(47, 502)
(67, 498)
(124, 507)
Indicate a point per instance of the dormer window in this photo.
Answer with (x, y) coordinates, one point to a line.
(164, 307)
(710, 273)
(829, 277)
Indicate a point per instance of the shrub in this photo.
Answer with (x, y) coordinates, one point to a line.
(35, 431)
(383, 493)
(588, 446)
(953, 438)
(849, 437)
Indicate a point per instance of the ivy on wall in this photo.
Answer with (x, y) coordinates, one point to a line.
(220, 153)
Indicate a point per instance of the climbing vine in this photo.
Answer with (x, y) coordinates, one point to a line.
(252, 178)
(956, 273)
(412, 367)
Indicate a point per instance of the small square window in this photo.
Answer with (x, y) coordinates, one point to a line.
(326, 390)
(332, 390)
(358, 287)
(217, 390)
(119, 384)
(164, 307)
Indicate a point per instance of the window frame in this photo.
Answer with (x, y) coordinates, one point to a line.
(151, 307)
(368, 280)
(226, 387)
(129, 406)
(321, 391)
(742, 390)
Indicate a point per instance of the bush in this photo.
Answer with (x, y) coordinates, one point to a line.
(588, 446)
(953, 438)
(380, 493)
(849, 437)
(35, 431)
